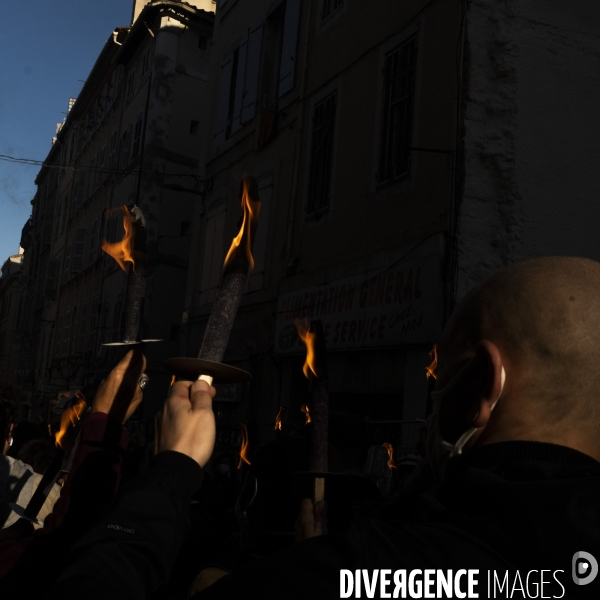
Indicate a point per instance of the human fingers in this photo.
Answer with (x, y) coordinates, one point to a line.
(201, 395)
(188, 424)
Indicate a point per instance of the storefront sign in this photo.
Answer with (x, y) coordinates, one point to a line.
(400, 305)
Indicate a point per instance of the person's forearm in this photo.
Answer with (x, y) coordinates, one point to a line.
(95, 473)
(130, 552)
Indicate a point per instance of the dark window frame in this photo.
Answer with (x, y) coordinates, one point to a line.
(324, 117)
(397, 113)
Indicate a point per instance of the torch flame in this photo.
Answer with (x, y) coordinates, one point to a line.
(244, 447)
(250, 210)
(71, 417)
(431, 369)
(391, 464)
(304, 408)
(309, 338)
(173, 378)
(278, 418)
(122, 251)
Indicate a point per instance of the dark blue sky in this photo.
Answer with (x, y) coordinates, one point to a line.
(45, 49)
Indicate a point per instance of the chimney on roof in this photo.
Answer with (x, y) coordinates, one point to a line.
(138, 6)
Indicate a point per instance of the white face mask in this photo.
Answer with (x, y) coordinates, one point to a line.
(438, 449)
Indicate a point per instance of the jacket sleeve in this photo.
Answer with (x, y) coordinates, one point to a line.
(88, 491)
(130, 552)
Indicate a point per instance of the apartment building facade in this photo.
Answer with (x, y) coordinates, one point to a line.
(346, 116)
(10, 301)
(133, 137)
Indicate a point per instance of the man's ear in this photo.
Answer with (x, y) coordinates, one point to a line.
(489, 362)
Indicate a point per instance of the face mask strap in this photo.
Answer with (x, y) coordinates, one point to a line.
(466, 436)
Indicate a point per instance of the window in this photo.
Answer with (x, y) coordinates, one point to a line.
(239, 84)
(78, 250)
(329, 7)
(137, 136)
(101, 164)
(92, 177)
(124, 149)
(321, 157)
(194, 126)
(113, 151)
(61, 206)
(145, 62)
(131, 80)
(262, 241)
(51, 278)
(232, 105)
(65, 213)
(80, 190)
(397, 113)
(120, 75)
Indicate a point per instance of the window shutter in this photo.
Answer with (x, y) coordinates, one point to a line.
(240, 76)
(288, 49)
(252, 73)
(224, 100)
(78, 250)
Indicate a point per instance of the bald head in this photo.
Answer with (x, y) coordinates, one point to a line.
(543, 315)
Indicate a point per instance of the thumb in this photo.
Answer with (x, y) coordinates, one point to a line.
(201, 395)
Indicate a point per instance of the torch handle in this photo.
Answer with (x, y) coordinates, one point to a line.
(206, 378)
(319, 489)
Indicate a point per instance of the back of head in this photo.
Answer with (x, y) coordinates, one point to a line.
(544, 317)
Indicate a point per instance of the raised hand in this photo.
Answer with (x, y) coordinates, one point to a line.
(187, 422)
(120, 393)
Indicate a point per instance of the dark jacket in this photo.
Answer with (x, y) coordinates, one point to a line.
(505, 508)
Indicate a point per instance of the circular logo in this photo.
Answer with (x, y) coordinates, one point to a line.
(287, 337)
(585, 568)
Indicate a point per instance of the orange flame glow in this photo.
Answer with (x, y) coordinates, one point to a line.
(278, 418)
(309, 338)
(391, 464)
(173, 378)
(304, 408)
(250, 210)
(244, 447)
(431, 369)
(70, 417)
(122, 251)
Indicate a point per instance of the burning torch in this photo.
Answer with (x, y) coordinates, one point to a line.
(132, 250)
(315, 369)
(70, 418)
(238, 262)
